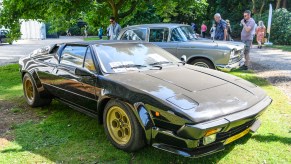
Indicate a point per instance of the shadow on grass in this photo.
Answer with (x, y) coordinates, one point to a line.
(272, 138)
(250, 76)
(69, 136)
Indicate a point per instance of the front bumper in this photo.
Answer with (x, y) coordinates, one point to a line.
(188, 140)
(229, 67)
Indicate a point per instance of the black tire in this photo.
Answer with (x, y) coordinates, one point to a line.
(203, 63)
(137, 139)
(31, 94)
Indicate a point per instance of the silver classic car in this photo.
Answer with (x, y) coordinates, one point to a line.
(181, 41)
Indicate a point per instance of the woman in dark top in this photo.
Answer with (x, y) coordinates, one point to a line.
(228, 27)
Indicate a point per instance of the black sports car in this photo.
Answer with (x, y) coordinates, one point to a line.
(144, 95)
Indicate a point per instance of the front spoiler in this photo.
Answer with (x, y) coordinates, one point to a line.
(184, 141)
(192, 154)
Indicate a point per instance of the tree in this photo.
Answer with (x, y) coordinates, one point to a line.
(62, 14)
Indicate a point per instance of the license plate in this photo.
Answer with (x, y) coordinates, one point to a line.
(237, 136)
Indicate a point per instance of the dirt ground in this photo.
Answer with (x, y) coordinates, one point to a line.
(13, 113)
(273, 65)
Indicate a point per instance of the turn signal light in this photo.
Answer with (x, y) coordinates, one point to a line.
(212, 131)
(157, 114)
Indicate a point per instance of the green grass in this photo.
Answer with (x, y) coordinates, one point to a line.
(94, 38)
(10, 82)
(283, 47)
(67, 136)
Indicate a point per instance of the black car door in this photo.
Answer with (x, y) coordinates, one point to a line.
(77, 90)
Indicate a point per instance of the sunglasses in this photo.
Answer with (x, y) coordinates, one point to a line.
(111, 21)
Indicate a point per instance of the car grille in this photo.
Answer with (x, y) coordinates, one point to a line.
(224, 135)
(238, 56)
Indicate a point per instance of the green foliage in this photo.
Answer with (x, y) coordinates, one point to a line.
(63, 14)
(281, 27)
(60, 14)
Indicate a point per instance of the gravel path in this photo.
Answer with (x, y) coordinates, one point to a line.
(12, 53)
(273, 65)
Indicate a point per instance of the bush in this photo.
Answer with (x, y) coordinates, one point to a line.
(281, 27)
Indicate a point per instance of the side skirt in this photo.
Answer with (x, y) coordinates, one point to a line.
(87, 112)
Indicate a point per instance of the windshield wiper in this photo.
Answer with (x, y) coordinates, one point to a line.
(161, 62)
(128, 66)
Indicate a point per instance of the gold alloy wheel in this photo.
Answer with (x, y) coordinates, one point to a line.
(28, 88)
(118, 125)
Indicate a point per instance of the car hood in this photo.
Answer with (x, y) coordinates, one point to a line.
(220, 44)
(198, 93)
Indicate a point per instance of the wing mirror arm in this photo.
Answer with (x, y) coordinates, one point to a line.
(82, 72)
(184, 59)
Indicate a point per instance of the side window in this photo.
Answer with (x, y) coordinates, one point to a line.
(141, 33)
(73, 55)
(138, 34)
(159, 35)
(175, 36)
(89, 63)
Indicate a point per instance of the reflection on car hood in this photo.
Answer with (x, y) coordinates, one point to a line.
(201, 94)
(226, 44)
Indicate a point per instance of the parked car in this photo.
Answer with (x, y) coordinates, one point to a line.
(180, 40)
(144, 95)
(4, 36)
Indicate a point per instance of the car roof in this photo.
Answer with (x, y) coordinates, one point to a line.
(169, 25)
(105, 42)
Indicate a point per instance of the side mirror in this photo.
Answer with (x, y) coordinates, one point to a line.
(82, 72)
(184, 59)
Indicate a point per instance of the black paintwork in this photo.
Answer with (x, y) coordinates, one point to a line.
(190, 100)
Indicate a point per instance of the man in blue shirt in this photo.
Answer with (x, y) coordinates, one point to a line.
(221, 31)
(114, 29)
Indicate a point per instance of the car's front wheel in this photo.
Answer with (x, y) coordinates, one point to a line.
(203, 63)
(122, 127)
(31, 94)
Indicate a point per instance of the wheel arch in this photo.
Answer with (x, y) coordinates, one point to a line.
(39, 86)
(192, 58)
(134, 107)
(100, 108)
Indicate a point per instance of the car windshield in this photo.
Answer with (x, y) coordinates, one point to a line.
(123, 57)
(183, 33)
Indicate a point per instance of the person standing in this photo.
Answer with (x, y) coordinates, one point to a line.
(260, 32)
(221, 31)
(203, 30)
(247, 37)
(85, 31)
(100, 33)
(212, 31)
(228, 28)
(193, 27)
(114, 29)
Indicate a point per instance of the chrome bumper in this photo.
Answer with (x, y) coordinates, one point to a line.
(229, 67)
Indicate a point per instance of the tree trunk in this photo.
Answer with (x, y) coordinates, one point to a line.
(114, 9)
(254, 6)
(284, 4)
(262, 7)
(278, 4)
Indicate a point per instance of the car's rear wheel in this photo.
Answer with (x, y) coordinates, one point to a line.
(203, 63)
(31, 94)
(121, 127)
